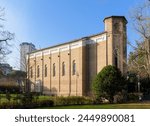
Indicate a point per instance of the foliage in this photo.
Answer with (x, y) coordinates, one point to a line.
(1, 73)
(17, 74)
(132, 97)
(9, 88)
(19, 105)
(27, 98)
(145, 86)
(8, 96)
(139, 59)
(24, 101)
(72, 100)
(120, 97)
(108, 83)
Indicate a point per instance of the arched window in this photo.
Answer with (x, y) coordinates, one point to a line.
(38, 71)
(73, 67)
(54, 70)
(45, 72)
(31, 72)
(63, 69)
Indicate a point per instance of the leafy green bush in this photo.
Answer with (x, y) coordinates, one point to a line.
(26, 98)
(45, 103)
(10, 105)
(8, 96)
(19, 105)
(132, 97)
(108, 83)
(72, 100)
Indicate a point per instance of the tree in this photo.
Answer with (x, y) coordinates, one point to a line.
(1, 73)
(20, 77)
(108, 83)
(139, 59)
(5, 37)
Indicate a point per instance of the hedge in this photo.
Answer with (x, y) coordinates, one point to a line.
(72, 100)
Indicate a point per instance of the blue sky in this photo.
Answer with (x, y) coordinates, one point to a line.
(49, 22)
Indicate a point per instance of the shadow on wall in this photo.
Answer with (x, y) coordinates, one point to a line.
(38, 88)
(90, 65)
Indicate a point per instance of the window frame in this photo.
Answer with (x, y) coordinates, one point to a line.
(45, 70)
(63, 68)
(54, 70)
(31, 72)
(38, 71)
(73, 67)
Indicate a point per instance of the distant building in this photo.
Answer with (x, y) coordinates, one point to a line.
(68, 69)
(5, 68)
(24, 49)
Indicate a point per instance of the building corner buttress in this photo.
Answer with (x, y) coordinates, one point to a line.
(117, 43)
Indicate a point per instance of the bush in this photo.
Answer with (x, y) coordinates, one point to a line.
(121, 97)
(16, 105)
(132, 97)
(45, 103)
(108, 83)
(26, 98)
(8, 96)
(9, 88)
(72, 100)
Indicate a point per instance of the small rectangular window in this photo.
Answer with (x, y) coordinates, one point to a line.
(45, 71)
(63, 69)
(54, 70)
(73, 67)
(31, 72)
(38, 71)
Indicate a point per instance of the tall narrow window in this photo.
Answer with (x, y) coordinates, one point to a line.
(54, 70)
(45, 72)
(63, 69)
(116, 58)
(31, 72)
(38, 71)
(116, 61)
(73, 67)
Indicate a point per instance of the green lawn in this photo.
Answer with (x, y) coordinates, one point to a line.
(106, 106)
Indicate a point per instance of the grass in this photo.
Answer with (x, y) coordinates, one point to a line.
(105, 106)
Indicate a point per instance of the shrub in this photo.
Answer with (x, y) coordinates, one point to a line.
(120, 97)
(133, 97)
(45, 103)
(8, 96)
(9, 88)
(19, 105)
(108, 83)
(72, 100)
(26, 98)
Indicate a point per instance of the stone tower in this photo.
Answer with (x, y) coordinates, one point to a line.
(25, 48)
(115, 26)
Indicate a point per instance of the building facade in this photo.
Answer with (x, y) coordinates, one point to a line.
(24, 49)
(69, 68)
